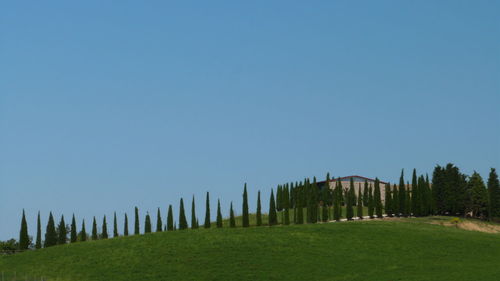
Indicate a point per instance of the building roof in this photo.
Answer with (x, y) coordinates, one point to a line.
(355, 178)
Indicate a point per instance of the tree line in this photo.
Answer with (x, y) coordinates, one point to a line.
(449, 193)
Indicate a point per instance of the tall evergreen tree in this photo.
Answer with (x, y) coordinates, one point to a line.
(494, 194)
(376, 199)
(395, 200)
(365, 194)
(125, 226)
(182, 217)
(104, 234)
(408, 200)
(232, 220)
(371, 203)
(273, 219)
(279, 207)
(388, 200)
(83, 232)
(349, 209)
(402, 195)
(219, 215)
(24, 239)
(95, 236)
(73, 232)
(245, 215)
(115, 226)
(477, 197)
(137, 230)
(170, 219)
(159, 222)
(415, 194)
(38, 244)
(286, 205)
(259, 210)
(193, 215)
(359, 206)
(147, 224)
(207, 212)
(337, 205)
(50, 233)
(62, 235)
(299, 206)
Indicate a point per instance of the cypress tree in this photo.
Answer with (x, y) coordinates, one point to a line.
(477, 197)
(273, 219)
(494, 194)
(314, 201)
(38, 244)
(286, 205)
(74, 233)
(415, 196)
(147, 224)
(377, 200)
(299, 206)
(371, 203)
(349, 203)
(50, 233)
(259, 211)
(24, 239)
(232, 221)
(219, 215)
(159, 222)
(170, 219)
(245, 216)
(125, 226)
(395, 200)
(94, 230)
(137, 230)
(388, 200)
(402, 195)
(62, 233)
(337, 208)
(83, 232)
(408, 201)
(104, 234)
(278, 199)
(193, 215)
(207, 212)
(365, 194)
(182, 216)
(115, 226)
(359, 209)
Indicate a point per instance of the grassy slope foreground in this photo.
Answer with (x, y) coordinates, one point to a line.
(367, 250)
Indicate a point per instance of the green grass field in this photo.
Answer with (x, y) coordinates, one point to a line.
(407, 249)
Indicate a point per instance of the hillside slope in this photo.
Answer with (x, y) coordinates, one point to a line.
(368, 250)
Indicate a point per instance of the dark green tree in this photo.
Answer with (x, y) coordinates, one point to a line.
(125, 226)
(279, 208)
(286, 205)
(38, 244)
(477, 197)
(95, 236)
(62, 235)
(147, 223)
(377, 199)
(115, 226)
(388, 200)
(182, 216)
(415, 194)
(299, 206)
(73, 232)
(137, 230)
(273, 218)
(395, 200)
(207, 212)
(104, 234)
(159, 222)
(359, 206)
(365, 194)
(408, 200)
(194, 224)
(349, 209)
(494, 194)
(245, 215)
(24, 239)
(337, 201)
(232, 220)
(83, 232)
(371, 203)
(219, 215)
(50, 233)
(170, 219)
(259, 210)
(402, 195)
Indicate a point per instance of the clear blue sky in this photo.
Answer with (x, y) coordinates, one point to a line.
(109, 105)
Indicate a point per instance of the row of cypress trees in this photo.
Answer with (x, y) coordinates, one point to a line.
(451, 193)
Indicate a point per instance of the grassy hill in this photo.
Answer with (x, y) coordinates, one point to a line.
(411, 249)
